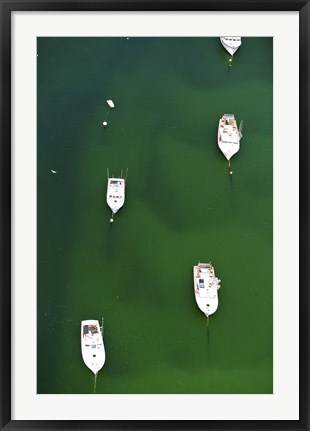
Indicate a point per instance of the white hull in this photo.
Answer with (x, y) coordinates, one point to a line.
(231, 43)
(228, 136)
(110, 103)
(116, 193)
(92, 346)
(206, 286)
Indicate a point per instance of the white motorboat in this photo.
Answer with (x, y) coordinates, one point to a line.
(206, 286)
(229, 136)
(116, 193)
(231, 43)
(92, 346)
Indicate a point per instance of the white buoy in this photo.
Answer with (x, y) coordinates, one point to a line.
(111, 220)
(110, 103)
(105, 123)
(53, 172)
(127, 38)
(231, 172)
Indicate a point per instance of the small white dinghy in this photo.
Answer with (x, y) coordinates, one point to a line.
(231, 43)
(206, 286)
(116, 193)
(110, 103)
(229, 136)
(92, 345)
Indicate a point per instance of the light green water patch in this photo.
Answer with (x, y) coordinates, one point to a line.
(190, 188)
(173, 381)
(182, 190)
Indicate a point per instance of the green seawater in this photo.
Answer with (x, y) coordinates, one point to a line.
(181, 206)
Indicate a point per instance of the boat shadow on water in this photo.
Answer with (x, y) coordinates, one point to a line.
(208, 330)
(110, 246)
(232, 192)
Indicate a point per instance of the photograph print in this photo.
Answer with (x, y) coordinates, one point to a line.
(154, 215)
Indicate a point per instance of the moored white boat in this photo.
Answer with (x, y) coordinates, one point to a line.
(206, 286)
(229, 136)
(231, 43)
(92, 346)
(116, 193)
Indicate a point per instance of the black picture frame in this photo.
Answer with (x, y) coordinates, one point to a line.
(9, 6)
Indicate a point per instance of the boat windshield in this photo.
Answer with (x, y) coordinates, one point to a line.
(230, 142)
(201, 283)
